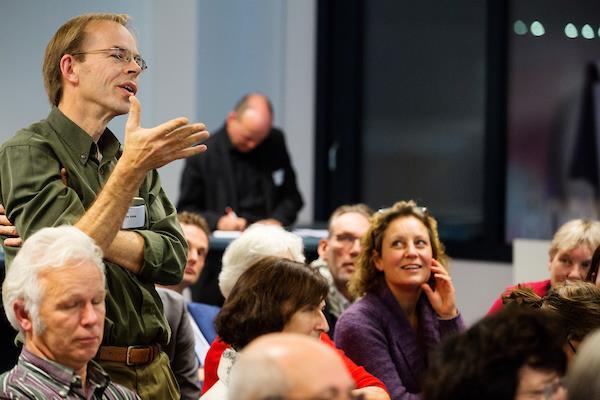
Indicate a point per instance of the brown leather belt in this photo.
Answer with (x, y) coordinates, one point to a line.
(130, 355)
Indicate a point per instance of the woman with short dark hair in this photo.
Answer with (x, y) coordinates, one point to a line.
(277, 295)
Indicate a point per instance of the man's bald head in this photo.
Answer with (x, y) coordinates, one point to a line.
(282, 365)
(249, 124)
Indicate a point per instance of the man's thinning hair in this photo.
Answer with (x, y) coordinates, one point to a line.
(243, 104)
(47, 248)
(359, 208)
(68, 39)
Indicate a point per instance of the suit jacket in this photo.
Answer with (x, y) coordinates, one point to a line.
(208, 185)
(181, 346)
(204, 315)
(375, 333)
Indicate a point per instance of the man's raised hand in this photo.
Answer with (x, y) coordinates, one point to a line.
(151, 148)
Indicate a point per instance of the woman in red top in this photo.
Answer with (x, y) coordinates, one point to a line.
(276, 294)
(570, 257)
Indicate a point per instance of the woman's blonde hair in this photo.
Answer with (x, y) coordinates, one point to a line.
(367, 275)
(575, 233)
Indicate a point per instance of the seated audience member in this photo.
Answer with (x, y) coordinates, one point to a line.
(409, 302)
(53, 294)
(337, 255)
(513, 354)
(192, 324)
(289, 366)
(583, 378)
(577, 306)
(255, 243)
(247, 176)
(277, 295)
(570, 257)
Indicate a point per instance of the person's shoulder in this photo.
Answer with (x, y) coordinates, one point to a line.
(34, 134)
(203, 308)
(364, 309)
(539, 287)
(169, 296)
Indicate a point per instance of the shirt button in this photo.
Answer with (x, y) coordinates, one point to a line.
(63, 393)
(83, 156)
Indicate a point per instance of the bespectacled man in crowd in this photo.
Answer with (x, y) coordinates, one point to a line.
(337, 255)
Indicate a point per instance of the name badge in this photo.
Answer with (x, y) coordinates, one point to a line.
(136, 215)
(278, 176)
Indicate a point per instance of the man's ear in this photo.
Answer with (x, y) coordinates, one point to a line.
(232, 115)
(322, 249)
(68, 68)
(22, 315)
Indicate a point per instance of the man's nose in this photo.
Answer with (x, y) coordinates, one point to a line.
(89, 314)
(322, 325)
(192, 255)
(355, 249)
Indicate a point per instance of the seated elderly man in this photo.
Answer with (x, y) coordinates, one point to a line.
(53, 294)
(337, 254)
(287, 365)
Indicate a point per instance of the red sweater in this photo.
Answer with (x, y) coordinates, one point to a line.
(540, 288)
(360, 376)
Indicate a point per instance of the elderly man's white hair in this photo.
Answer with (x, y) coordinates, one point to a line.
(583, 379)
(47, 248)
(256, 242)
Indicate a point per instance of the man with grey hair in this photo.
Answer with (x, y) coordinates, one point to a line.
(337, 254)
(54, 296)
(286, 365)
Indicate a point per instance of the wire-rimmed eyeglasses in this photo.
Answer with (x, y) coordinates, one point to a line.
(120, 54)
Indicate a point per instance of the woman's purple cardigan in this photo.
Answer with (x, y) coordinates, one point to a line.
(375, 334)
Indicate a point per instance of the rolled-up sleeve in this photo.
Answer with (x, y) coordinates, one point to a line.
(165, 248)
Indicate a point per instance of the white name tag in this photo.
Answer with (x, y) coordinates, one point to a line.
(135, 217)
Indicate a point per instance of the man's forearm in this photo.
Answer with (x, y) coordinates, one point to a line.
(103, 220)
(127, 250)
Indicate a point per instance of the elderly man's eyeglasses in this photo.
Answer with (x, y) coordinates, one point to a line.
(122, 55)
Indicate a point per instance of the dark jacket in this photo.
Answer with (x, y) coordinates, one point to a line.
(208, 183)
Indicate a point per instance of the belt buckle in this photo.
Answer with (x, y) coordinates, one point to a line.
(129, 348)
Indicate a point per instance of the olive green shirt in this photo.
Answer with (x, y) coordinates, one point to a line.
(34, 196)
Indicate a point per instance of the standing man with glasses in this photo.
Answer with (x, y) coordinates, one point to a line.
(337, 253)
(71, 169)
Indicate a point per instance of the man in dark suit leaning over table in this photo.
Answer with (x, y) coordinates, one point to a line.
(247, 176)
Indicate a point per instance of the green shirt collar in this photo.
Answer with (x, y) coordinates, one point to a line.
(78, 142)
